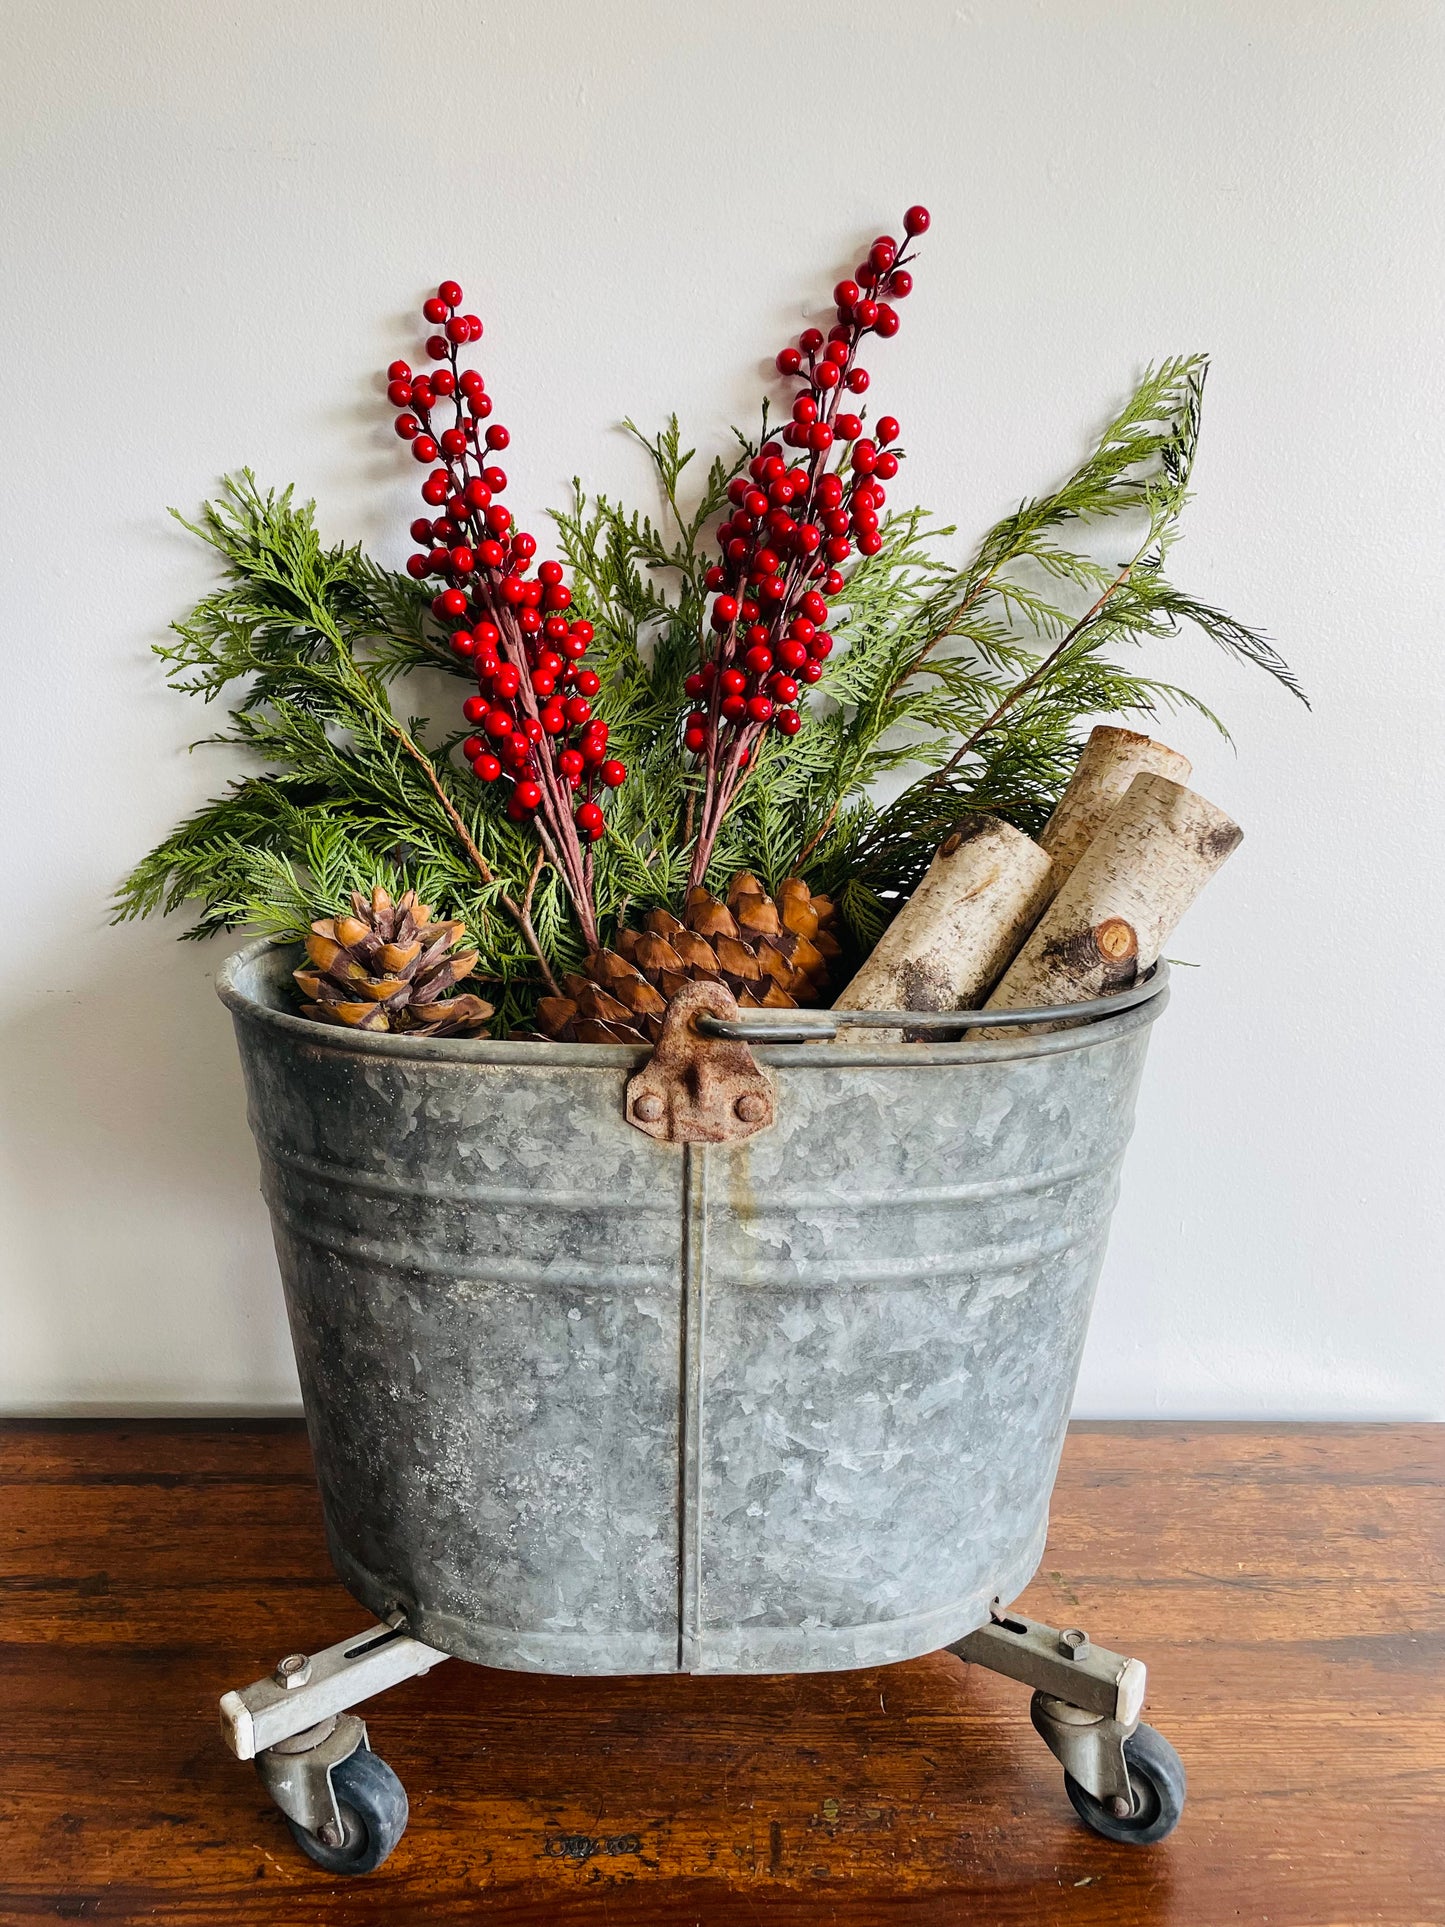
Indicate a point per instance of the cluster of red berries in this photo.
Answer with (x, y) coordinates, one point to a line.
(533, 710)
(792, 526)
(513, 731)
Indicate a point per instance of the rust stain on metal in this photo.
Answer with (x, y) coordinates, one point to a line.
(696, 1089)
(742, 1198)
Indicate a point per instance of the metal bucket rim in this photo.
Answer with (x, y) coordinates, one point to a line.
(616, 1057)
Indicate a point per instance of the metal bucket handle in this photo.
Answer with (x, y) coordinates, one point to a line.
(822, 1026)
(702, 1084)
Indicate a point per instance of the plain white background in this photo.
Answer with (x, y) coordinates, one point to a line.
(218, 223)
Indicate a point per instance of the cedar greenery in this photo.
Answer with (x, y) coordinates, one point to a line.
(982, 680)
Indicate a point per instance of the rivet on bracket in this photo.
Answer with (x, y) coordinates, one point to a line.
(696, 1089)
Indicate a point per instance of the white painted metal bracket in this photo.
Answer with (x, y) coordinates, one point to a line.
(307, 1690)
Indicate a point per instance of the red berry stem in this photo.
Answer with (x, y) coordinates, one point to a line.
(533, 707)
(788, 535)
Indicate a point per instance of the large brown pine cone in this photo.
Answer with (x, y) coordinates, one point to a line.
(388, 968)
(770, 954)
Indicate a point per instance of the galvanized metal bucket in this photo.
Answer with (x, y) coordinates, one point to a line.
(586, 1402)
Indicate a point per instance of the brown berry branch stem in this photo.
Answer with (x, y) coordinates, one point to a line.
(520, 913)
(531, 889)
(726, 742)
(718, 800)
(914, 666)
(554, 825)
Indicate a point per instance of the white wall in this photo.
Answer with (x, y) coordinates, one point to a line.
(217, 223)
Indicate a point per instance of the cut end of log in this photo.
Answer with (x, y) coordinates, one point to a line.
(1093, 961)
(1116, 939)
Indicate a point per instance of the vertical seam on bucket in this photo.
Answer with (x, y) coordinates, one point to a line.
(689, 1510)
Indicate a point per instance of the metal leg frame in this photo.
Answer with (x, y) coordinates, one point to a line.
(1086, 1702)
(295, 1725)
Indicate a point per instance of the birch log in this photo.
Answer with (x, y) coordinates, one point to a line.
(953, 938)
(1110, 761)
(1110, 921)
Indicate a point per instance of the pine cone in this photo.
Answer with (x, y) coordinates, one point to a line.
(386, 968)
(771, 955)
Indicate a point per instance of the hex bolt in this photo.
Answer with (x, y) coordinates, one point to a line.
(648, 1107)
(329, 1834)
(1074, 1644)
(751, 1108)
(293, 1671)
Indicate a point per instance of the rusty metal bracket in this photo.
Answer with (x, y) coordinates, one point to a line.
(696, 1089)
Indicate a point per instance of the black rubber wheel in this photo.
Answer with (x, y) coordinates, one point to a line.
(373, 1813)
(1156, 1778)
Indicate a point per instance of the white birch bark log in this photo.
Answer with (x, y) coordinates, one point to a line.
(1108, 764)
(954, 937)
(1113, 916)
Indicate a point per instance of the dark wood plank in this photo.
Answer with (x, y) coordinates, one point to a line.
(1285, 1584)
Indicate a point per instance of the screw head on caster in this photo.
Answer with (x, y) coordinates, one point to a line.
(373, 1817)
(1156, 1776)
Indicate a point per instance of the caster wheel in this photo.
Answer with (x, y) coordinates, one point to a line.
(1156, 1776)
(373, 1817)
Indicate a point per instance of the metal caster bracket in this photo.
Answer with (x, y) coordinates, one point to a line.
(297, 1774)
(295, 1726)
(1087, 1700)
(308, 1689)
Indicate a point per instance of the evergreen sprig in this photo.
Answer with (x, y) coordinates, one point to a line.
(981, 681)
(307, 639)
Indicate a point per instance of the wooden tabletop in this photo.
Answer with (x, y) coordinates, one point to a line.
(1285, 1584)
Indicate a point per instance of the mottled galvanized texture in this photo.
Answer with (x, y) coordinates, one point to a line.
(584, 1402)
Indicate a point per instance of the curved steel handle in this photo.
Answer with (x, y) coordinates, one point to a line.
(822, 1026)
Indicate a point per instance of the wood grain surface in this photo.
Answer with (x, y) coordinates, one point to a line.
(1286, 1586)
